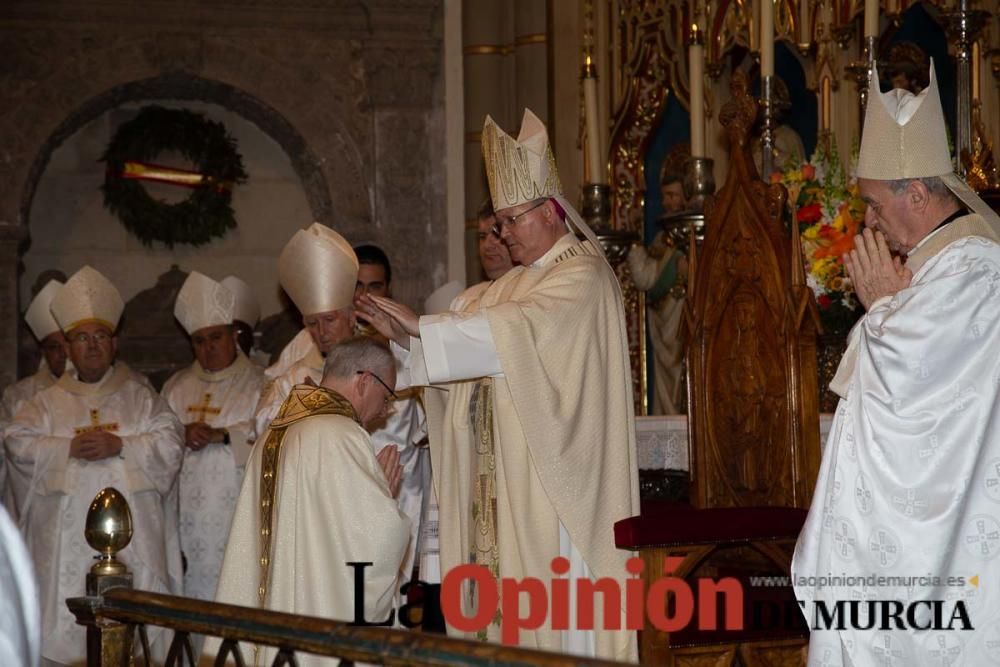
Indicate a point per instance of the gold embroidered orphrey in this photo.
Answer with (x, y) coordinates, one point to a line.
(304, 401)
(96, 425)
(483, 549)
(205, 407)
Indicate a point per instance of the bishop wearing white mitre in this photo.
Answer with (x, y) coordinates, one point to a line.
(215, 398)
(318, 269)
(908, 488)
(98, 426)
(53, 346)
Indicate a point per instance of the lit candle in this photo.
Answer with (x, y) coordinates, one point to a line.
(696, 64)
(825, 103)
(871, 18)
(595, 168)
(767, 38)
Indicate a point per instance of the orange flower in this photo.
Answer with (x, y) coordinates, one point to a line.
(808, 172)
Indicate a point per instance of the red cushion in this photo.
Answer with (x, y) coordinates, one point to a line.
(667, 524)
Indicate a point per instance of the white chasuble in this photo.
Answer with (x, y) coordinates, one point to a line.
(329, 505)
(404, 428)
(61, 488)
(210, 478)
(909, 486)
(14, 397)
(563, 461)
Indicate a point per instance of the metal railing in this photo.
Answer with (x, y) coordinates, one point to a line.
(115, 615)
(115, 618)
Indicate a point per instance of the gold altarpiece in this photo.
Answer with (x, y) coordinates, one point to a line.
(644, 46)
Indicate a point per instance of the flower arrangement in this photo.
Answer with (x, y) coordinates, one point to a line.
(829, 212)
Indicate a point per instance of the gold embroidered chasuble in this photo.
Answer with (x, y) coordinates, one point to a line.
(562, 427)
(313, 499)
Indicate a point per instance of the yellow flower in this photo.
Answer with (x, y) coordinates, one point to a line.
(811, 233)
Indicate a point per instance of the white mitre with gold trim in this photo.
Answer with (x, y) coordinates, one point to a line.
(247, 308)
(519, 170)
(202, 303)
(39, 316)
(905, 137)
(319, 270)
(524, 169)
(87, 297)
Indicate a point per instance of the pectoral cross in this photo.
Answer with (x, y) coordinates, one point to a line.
(96, 425)
(204, 408)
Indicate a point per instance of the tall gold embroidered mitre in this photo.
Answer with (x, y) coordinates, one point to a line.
(519, 170)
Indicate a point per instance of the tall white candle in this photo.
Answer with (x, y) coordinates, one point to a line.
(767, 38)
(871, 18)
(825, 102)
(696, 71)
(804, 32)
(595, 166)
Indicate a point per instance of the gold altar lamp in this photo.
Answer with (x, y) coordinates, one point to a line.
(108, 530)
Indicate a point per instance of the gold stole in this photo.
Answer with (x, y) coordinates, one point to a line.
(483, 549)
(303, 401)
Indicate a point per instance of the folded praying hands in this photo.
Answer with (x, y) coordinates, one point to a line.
(873, 270)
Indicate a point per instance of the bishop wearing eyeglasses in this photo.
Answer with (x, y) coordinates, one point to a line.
(99, 425)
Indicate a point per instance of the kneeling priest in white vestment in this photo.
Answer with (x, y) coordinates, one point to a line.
(316, 498)
(897, 562)
(98, 426)
(215, 398)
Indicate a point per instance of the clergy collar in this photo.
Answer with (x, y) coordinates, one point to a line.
(239, 363)
(557, 249)
(113, 379)
(968, 225)
(944, 223)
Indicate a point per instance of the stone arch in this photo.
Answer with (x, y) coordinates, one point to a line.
(186, 87)
(318, 115)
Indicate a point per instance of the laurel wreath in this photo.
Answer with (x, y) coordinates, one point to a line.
(207, 212)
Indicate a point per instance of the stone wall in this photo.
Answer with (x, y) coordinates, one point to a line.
(350, 90)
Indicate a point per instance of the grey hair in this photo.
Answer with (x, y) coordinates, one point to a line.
(934, 184)
(356, 354)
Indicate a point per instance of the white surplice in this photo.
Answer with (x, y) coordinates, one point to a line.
(909, 485)
(60, 490)
(552, 338)
(331, 506)
(210, 478)
(404, 428)
(14, 397)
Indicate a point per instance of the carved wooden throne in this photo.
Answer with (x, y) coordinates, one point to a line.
(750, 325)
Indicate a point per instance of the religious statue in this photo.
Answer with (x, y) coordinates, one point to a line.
(661, 271)
(788, 146)
(908, 67)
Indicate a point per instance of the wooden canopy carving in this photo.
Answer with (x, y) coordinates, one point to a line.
(750, 323)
